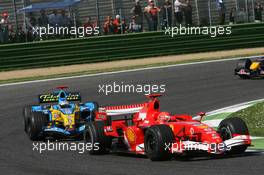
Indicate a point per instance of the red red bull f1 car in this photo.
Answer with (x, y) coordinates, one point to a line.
(144, 129)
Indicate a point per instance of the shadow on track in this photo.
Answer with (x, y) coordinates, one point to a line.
(200, 156)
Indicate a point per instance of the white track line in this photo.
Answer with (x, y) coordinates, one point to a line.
(234, 107)
(126, 71)
(255, 151)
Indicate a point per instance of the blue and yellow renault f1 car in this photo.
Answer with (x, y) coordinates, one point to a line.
(58, 114)
(250, 68)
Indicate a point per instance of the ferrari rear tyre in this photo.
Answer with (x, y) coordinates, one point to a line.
(230, 126)
(37, 122)
(156, 139)
(94, 134)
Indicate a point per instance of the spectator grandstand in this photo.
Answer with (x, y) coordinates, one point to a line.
(203, 12)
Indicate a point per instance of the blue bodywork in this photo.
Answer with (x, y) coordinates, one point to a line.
(59, 98)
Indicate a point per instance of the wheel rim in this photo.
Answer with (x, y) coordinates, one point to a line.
(226, 133)
(151, 142)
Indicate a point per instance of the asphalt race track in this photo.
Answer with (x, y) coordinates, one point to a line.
(189, 89)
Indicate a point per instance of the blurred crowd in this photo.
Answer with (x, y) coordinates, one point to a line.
(57, 18)
(240, 15)
(154, 15)
(179, 13)
(147, 18)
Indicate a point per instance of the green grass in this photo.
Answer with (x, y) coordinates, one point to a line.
(254, 118)
(258, 144)
(217, 116)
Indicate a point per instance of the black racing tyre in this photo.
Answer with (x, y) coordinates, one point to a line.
(230, 126)
(26, 115)
(83, 114)
(93, 115)
(37, 122)
(87, 115)
(156, 139)
(244, 76)
(243, 64)
(94, 134)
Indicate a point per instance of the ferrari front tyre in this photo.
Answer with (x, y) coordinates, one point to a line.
(156, 140)
(94, 135)
(230, 126)
(37, 122)
(26, 116)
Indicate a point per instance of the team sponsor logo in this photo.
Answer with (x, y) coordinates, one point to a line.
(131, 136)
(55, 98)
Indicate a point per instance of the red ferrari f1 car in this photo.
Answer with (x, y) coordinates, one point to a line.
(144, 129)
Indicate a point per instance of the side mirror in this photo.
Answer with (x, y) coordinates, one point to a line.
(201, 114)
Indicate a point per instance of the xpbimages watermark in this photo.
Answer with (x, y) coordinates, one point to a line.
(212, 31)
(195, 146)
(79, 31)
(131, 88)
(79, 147)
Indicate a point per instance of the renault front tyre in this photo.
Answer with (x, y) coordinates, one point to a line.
(36, 124)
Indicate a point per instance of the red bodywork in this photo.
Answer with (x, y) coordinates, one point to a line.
(185, 128)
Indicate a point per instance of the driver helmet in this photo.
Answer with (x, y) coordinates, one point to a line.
(63, 103)
(63, 99)
(164, 116)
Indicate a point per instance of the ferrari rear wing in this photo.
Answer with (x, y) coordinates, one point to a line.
(122, 110)
(53, 97)
(127, 109)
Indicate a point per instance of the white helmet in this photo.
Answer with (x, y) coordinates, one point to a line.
(63, 103)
